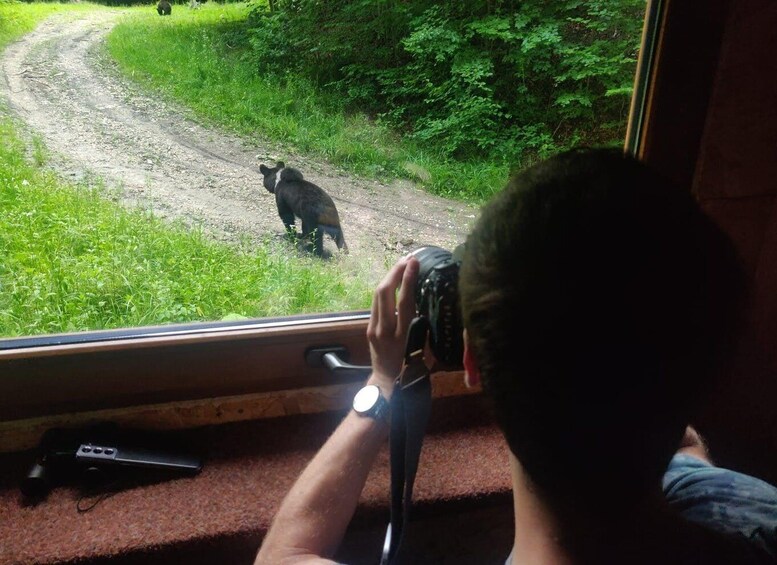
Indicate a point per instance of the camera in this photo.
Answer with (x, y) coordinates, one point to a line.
(437, 300)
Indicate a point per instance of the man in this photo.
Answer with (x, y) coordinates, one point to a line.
(596, 301)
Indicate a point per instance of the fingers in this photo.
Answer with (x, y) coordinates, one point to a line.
(382, 315)
(406, 303)
(385, 296)
(390, 313)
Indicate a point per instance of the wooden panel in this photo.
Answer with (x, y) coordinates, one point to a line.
(712, 127)
(746, 221)
(740, 142)
(681, 83)
(26, 433)
(735, 183)
(53, 380)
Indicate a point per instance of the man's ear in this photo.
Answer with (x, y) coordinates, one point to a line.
(471, 370)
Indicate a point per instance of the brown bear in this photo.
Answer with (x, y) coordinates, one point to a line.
(295, 196)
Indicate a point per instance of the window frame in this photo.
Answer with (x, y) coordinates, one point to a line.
(51, 379)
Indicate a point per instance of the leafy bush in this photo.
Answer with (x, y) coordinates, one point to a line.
(477, 80)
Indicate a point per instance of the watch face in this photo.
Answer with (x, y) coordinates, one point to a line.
(366, 399)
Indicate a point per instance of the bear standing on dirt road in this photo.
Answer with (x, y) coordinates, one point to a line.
(295, 196)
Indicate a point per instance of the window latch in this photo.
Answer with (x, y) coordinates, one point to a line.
(334, 358)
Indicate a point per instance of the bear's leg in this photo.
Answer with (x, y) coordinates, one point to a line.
(340, 241)
(337, 234)
(288, 221)
(312, 234)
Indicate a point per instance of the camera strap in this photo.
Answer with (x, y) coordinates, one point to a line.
(410, 408)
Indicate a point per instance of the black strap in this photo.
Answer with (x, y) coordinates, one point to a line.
(410, 408)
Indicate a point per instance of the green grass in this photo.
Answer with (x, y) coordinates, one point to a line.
(73, 260)
(200, 59)
(16, 19)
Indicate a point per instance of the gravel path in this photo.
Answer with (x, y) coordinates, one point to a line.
(154, 154)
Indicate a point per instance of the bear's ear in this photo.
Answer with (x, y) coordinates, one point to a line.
(264, 170)
(280, 165)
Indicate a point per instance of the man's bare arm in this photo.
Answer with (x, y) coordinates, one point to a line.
(313, 517)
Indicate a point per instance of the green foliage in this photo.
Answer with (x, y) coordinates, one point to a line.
(73, 260)
(499, 81)
(203, 59)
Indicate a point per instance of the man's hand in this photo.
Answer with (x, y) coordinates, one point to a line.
(390, 318)
(693, 444)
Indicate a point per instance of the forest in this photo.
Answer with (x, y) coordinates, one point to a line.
(489, 80)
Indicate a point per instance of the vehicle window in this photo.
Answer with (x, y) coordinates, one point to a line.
(141, 182)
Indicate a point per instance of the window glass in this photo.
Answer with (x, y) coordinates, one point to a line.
(131, 192)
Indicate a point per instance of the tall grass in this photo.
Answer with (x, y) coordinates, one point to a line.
(17, 18)
(201, 58)
(73, 260)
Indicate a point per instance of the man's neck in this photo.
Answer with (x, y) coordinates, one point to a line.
(536, 534)
(647, 535)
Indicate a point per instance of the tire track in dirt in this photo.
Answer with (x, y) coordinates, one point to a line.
(156, 155)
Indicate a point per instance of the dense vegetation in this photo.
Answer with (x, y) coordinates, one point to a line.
(488, 80)
(450, 96)
(203, 59)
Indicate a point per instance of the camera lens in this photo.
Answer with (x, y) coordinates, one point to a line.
(437, 300)
(428, 257)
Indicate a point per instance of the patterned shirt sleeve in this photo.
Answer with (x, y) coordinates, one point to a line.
(724, 501)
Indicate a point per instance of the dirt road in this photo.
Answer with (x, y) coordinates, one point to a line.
(154, 154)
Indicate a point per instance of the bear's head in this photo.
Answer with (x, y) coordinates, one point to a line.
(271, 175)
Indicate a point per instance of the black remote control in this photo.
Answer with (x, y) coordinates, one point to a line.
(137, 457)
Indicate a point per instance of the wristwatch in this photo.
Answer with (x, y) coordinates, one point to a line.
(370, 402)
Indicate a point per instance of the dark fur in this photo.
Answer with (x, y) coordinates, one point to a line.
(296, 197)
(164, 8)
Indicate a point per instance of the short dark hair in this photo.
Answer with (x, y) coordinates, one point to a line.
(596, 295)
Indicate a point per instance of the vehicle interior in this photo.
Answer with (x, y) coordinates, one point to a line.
(258, 404)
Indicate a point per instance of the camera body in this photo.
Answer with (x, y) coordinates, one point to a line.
(437, 300)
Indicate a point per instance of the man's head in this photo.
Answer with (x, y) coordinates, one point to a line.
(594, 294)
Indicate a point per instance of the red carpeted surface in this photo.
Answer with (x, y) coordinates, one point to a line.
(223, 513)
